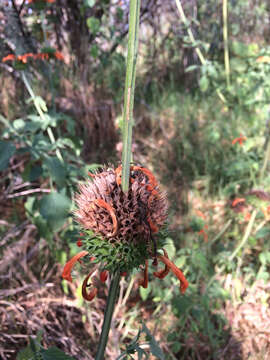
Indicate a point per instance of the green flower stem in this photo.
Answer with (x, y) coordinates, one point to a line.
(134, 16)
(133, 37)
(108, 316)
(193, 42)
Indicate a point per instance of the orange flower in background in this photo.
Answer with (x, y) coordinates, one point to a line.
(9, 57)
(39, 56)
(247, 216)
(23, 58)
(59, 55)
(200, 214)
(238, 201)
(202, 231)
(239, 140)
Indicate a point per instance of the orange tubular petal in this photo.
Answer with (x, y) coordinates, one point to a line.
(8, 57)
(108, 207)
(162, 273)
(66, 274)
(144, 282)
(58, 55)
(118, 173)
(92, 293)
(237, 201)
(104, 275)
(177, 272)
(151, 178)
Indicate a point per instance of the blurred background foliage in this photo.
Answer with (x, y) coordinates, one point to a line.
(62, 82)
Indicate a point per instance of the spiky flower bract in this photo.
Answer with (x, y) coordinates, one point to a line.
(119, 227)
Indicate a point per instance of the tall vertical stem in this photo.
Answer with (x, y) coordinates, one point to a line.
(108, 316)
(226, 42)
(133, 36)
(134, 16)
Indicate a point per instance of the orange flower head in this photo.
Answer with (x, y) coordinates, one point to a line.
(118, 228)
(239, 140)
(123, 220)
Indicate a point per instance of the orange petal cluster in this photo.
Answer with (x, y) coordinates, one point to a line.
(239, 140)
(39, 56)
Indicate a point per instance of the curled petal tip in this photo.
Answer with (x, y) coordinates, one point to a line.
(144, 282)
(89, 296)
(163, 273)
(184, 286)
(177, 272)
(66, 274)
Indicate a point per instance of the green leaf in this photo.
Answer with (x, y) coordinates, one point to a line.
(56, 169)
(40, 145)
(35, 172)
(54, 208)
(25, 354)
(199, 260)
(39, 102)
(262, 233)
(154, 347)
(169, 247)
(145, 292)
(94, 51)
(29, 204)
(191, 68)
(204, 83)
(89, 3)
(264, 258)
(54, 353)
(7, 150)
(93, 24)
(18, 124)
(38, 123)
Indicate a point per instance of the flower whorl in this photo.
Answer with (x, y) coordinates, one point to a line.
(124, 221)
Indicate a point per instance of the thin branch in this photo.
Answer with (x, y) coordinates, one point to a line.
(27, 192)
